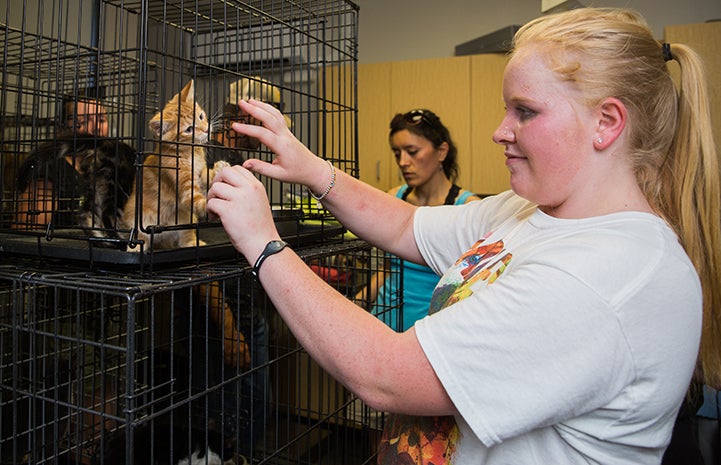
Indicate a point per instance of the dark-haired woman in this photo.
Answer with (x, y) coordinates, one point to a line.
(428, 161)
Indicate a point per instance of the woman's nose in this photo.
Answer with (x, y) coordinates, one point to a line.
(503, 134)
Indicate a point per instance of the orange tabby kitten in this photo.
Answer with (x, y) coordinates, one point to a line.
(174, 187)
(175, 177)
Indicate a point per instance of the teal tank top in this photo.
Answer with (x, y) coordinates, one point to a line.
(417, 284)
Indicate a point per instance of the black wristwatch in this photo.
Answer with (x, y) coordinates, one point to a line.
(272, 247)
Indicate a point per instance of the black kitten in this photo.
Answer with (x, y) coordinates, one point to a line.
(93, 194)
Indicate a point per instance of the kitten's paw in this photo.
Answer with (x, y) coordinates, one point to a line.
(219, 165)
(200, 206)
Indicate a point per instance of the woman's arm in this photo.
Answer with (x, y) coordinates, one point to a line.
(371, 214)
(388, 370)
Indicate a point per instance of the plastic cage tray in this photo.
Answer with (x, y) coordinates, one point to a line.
(218, 245)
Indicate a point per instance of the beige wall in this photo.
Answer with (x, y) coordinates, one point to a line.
(394, 30)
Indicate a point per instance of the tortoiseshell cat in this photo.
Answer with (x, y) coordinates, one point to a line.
(89, 177)
(175, 177)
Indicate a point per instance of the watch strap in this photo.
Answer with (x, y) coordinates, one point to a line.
(271, 248)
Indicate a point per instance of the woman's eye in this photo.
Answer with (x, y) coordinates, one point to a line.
(525, 113)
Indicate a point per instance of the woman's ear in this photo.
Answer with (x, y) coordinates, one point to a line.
(443, 151)
(612, 116)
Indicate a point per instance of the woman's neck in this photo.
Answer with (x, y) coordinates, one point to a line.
(431, 193)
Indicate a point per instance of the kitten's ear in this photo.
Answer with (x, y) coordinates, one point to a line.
(188, 92)
(157, 128)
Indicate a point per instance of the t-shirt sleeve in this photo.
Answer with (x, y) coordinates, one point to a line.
(443, 233)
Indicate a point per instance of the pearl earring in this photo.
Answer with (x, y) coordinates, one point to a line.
(600, 140)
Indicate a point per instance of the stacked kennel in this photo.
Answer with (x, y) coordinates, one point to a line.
(114, 356)
(109, 367)
(133, 56)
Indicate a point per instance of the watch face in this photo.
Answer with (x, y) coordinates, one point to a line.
(275, 246)
(271, 248)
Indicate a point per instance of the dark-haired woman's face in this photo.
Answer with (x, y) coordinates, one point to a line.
(90, 118)
(417, 158)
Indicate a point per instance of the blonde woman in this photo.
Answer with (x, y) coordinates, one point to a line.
(566, 325)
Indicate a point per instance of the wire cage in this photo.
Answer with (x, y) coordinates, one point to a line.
(84, 172)
(189, 362)
(101, 367)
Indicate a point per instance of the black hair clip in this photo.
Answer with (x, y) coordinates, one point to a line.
(666, 52)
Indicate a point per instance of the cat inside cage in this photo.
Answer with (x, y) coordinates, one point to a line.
(71, 88)
(83, 179)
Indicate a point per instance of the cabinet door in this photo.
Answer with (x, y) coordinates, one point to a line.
(374, 113)
(464, 91)
(488, 165)
(705, 39)
(441, 85)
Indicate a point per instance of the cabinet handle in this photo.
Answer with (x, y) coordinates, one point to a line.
(378, 170)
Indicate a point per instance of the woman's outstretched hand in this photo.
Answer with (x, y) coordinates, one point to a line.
(239, 200)
(293, 161)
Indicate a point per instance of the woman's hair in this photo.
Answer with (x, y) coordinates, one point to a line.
(231, 113)
(426, 124)
(612, 53)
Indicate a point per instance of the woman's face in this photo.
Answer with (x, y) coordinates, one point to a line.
(90, 118)
(416, 157)
(547, 133)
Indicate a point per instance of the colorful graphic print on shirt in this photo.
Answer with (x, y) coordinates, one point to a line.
(482, 262)
(432, 440)
(420, 440)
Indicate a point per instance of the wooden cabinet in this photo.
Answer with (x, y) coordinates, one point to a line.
(464, 91)
(489, 174)
(374, 114)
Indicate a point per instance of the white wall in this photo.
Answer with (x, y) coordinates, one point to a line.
(396, 30)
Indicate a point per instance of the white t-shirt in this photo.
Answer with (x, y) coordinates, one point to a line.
(559, 341)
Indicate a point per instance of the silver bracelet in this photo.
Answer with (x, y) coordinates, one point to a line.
(330, 186)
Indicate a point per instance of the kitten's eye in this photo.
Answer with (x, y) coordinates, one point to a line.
(189, 129)
(202, 116)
